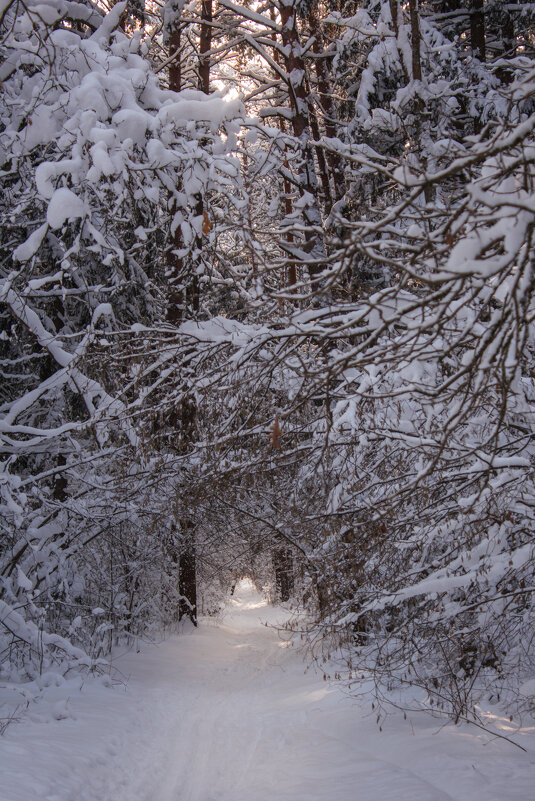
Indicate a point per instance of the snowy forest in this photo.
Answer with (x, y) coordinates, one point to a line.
(267, 310)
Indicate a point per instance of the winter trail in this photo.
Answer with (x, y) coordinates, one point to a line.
(227, 713)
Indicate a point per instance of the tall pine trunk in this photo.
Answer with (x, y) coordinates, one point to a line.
(205, 44)
(415, 40)
(188, 556)
(174, 266)
(477, 28)
(183, 302)
(307, 180)
(337, 180)
(284, 573)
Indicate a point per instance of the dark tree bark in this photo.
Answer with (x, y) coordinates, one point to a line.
(284, 573)
(292, 269)
(507, 49)
(287, 187)
(477, 28)
(320, 154)
(59, 491)
(183, 300)
(174, 265)
(187, 580)
(175, 68)
(326, 104)
(187, 568)
(415, 40)
(205, 44)
(295, 69)
(394, 11)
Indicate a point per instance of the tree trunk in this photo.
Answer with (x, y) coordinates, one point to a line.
(59, 490)
(174, 266)
(205, 44)
(394, 13)
(287, 187)
(187, 579)
(175, 68)
(284, 573)
(477, 29)
(307, 178)
(320, 154)
(292, 269)
(181, 301)
(415, 40)
(507, 50)
(326, 105)
(187, 582)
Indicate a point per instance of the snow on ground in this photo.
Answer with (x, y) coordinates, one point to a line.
(227, 713)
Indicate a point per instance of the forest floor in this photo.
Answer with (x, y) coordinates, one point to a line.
(228, 713)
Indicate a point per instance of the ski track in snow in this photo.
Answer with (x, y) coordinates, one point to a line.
(227, 713)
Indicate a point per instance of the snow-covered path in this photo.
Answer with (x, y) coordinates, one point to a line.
(227, 713)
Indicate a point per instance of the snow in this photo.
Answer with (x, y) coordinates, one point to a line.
(64, 205)
(23, 580)
(132, 124)
(196, 106)
(227, 712)
(47, 171)
(528, 688)
(28, 248)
